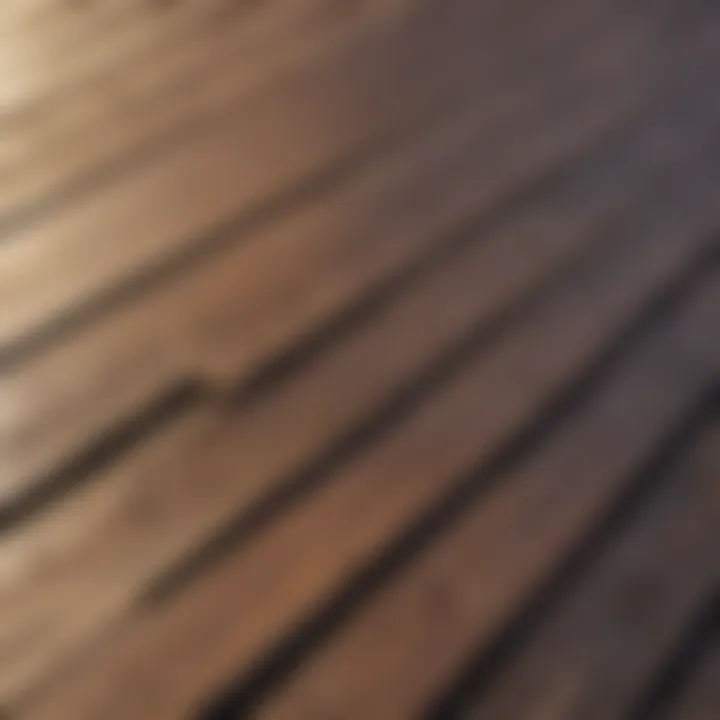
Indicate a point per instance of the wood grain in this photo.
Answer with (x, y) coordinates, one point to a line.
(438, 309)
(411, 467)
(301, 127)
(342, 340)
(599, 648)
(410, 640)
(302, 270)
(144, 105)
(700, 700)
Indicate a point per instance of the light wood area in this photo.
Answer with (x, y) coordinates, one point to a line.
(359, 359)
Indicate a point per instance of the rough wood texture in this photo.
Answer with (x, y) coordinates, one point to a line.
(358, 359)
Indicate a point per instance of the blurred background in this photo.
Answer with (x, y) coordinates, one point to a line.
(359, 359)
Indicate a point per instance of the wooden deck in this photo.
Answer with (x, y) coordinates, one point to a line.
(359, 360)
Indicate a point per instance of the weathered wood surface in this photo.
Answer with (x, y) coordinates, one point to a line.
(358, 359)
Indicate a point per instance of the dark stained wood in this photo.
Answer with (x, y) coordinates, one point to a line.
(600, 647)
(700, 700)
(409, 642)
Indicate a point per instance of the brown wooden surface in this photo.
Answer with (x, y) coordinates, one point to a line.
(397, 651)
(359, 359)
(602, 643)
(700, 699)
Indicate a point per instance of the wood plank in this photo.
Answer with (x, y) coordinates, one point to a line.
(203, 29)
(163, 88)
(81, 253)
(84, 250)
(407, 643)
(237, 42)
(75, 148)
(130, 101)
(69, 43)
(163, 33)
(298, 273)
(214, 87)
(701, 699)
(598, 188)
(599, 648)
(171, 655)
(457, 292)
